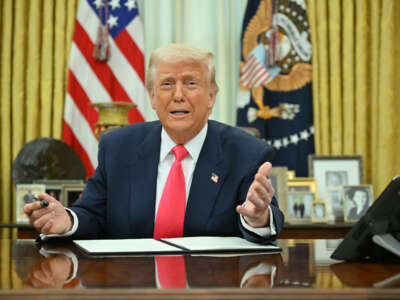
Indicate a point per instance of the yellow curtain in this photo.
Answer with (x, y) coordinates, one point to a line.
(34, 47)
(356, 86)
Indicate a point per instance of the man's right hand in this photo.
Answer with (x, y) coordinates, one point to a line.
(53, 219)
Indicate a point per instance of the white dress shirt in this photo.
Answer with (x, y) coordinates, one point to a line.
(167, 158)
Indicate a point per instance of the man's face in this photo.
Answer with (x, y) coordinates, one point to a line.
(182, 98)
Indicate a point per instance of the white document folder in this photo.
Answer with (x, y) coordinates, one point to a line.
(202, 244)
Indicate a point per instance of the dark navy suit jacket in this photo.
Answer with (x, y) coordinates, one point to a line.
(119, 199)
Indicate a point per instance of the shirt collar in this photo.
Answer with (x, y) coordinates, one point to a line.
(193, 146)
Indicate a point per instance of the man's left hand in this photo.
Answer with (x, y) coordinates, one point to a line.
(255, 209)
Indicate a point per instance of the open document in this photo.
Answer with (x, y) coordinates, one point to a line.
(202, 244)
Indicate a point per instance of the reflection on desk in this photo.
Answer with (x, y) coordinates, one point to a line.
(304, 270)
(56, 267)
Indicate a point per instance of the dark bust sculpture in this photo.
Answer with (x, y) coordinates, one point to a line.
(47, 159)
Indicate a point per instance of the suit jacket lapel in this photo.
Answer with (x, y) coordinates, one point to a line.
(143, 184)
(208, 178)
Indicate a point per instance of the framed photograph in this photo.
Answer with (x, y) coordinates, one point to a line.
(71, 193)
(331, 172)
(357, 199)
(302, 184)
(334, 201)
(318, 212)
(54, 187)
(279, 180)
(26, 194)
(300, 206)
(58, 181)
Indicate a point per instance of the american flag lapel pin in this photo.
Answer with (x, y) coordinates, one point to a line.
(214, 177)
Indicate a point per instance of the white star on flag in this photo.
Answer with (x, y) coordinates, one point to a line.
(285, 141)
(304, 135)
(294, 138)
(112, 21)
(130, 4)
(277, 144)
(114, 4)
(98, 3)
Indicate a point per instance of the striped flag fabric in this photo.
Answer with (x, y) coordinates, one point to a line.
(118, 76)
(254, 72)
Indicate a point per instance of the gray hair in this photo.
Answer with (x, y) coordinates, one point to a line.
(181, 52)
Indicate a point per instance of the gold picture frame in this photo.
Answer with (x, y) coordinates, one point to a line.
(279, 179)
(302, 184)
(291, 174)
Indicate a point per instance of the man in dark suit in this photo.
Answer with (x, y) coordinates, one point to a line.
(224, 169)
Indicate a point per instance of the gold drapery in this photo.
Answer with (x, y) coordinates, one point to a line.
(355, 61)
(356, 86)
(34, 47)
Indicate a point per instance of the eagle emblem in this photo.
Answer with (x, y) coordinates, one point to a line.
(276, 49)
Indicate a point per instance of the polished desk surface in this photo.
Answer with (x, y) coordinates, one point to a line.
(290, 231)
(302, 271)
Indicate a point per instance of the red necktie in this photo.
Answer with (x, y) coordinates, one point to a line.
(171, 271)
(171, 210)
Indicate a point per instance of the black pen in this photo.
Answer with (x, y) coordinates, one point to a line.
(43, 203)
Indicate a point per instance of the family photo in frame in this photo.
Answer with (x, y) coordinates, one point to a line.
(357, 200)
(331, 174)
(56, 188)
(26, 193)
(319, 212)
(299, 207)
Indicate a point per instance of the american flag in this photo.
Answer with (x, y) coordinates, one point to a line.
(254, 72)
(120, 78)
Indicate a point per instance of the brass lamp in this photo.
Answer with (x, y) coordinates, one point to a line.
(112, 115)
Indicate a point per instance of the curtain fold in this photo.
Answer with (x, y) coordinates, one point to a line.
(355, 83)
(33, 71)
(5, 106)
(60, 64)
(35, 39)
(348, 78)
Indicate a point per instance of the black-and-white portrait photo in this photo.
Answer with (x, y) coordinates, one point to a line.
(357, 200)
(335, 204)
(336, 178)
(319, 212)
(300, 205)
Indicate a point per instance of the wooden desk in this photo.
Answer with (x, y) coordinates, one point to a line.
(302, 271)
(315, 231)
(290, 231)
